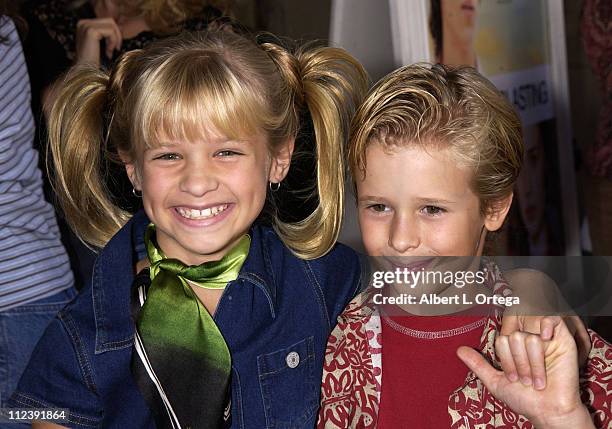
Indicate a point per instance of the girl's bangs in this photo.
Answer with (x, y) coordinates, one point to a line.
(191, 102)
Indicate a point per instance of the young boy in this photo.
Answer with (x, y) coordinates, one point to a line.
(434, 154)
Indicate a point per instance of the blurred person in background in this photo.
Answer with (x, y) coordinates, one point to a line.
(67, 32)
(35, 276)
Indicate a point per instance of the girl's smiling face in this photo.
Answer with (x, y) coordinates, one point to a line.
(419, 202)
(203, 196)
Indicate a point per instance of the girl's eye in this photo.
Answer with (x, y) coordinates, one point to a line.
(433, 210)
(168, 156)
(378, 208)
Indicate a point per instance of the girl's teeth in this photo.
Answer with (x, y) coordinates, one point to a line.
(201, 214)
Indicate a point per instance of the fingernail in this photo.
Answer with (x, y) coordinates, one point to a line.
(513, 376)
(539, 383)
(526, 381)
(547, 332)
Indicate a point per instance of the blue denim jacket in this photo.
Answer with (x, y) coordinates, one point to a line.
(279, 304)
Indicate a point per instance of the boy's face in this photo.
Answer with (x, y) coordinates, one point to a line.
(417, 202)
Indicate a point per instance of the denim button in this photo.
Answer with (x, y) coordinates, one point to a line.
(292, 359)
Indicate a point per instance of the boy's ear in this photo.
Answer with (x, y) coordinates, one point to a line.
(281, 160)
(131, 170)
(497, 212)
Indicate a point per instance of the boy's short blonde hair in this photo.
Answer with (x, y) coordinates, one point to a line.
(443, 107)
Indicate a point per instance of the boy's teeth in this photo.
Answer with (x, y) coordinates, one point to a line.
(201, 214)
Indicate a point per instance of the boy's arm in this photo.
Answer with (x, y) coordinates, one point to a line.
(556, 406)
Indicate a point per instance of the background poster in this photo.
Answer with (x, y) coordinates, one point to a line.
(512, 51)
(507, 41)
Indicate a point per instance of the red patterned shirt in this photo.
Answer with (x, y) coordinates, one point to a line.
(352, 375)
(413, 359)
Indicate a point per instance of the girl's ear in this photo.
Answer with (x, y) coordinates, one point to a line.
(281, 160)
(497, 212)
(131, 170)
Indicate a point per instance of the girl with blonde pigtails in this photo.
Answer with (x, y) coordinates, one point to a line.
(197, 314)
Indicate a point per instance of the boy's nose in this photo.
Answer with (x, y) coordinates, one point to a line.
(197, 180)
(404, 234)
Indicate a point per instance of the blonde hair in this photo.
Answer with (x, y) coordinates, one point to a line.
(176, 88)
(442, 106)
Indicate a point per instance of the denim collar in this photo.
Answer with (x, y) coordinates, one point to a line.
(113, 274)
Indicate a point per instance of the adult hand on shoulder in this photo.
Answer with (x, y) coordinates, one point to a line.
(90, 32)
(558, 405)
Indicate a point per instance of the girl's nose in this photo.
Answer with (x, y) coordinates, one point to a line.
(198, 180)
(404, 234)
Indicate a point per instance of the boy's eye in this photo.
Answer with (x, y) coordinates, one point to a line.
(433, 210)
(226, 153)
(378, 208)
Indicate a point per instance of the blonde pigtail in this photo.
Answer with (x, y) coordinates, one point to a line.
(332, 84)
(76, 135)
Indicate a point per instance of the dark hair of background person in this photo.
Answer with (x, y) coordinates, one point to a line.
(11, 9)
(435, 25)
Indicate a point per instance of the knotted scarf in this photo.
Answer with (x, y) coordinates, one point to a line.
(182, 363)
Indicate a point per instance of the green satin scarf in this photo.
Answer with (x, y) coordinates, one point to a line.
(182, 343)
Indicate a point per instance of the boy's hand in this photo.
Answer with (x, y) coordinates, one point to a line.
(525, 361)
(557, 405)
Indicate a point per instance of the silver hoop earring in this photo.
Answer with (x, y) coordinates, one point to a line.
(137, 194)
(274, 186)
